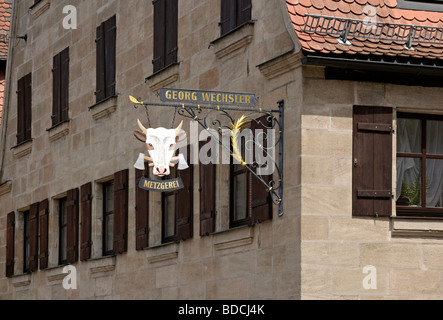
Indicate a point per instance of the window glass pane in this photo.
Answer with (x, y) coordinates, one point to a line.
(109, 238)
(409, 135)
(109, 193)
(63, 244)
(169, 216)
(240, 197)
(434, 183)
(434, 137)
(408, 182)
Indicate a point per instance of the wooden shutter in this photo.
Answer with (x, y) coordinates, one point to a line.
(21, 110)
(372, 160)
(56, 85)
(100, 93)
(86, 221)
(207, 195)
(141, 212)
(184, 205)
(260, 199)
(244, 11)
(28, 106)
(121, 211)
(171, 32)
(159, 34)
(110, 34)
(64, 84)
(44, 241)
(227, 18)
(10, 244)
(33, 237)
(72, 210)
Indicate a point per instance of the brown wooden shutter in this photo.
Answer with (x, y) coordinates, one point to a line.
(56, 84)
(227, 18)
(244, 11)
(261, 202)
(159, 34)
(141, 212)
(207, 195)
(64, 84)
(372, 172)
(86, 222)
(184, 205)
(21, 110)
(171, 32)
(100, 93)
(33, 237)
(72, 210)
(110, 34)
(28, 106)
(44, 241)
(121, 211)
(10, 244)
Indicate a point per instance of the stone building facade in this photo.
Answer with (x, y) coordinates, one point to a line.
(79, 141)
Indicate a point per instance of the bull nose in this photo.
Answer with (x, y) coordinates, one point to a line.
(162, 170)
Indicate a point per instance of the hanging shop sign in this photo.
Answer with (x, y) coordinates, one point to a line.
(161, 186)
(208, 97)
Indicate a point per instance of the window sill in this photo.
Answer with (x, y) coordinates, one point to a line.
(58, 131)
(163, 252)
(22, 280)
(164, 77)
(233, 238)
(233, 41)
(104, 108)
(5, 188)
(55, 274)
(280, 65)
(37, 9)
(102, 265)
(23, 149)
(419, 227)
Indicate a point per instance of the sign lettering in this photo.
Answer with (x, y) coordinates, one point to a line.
(161, 186)
(208, 97)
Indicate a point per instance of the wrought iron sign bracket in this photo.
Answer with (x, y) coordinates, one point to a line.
(213, 117)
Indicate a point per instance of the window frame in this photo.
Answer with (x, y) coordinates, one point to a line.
(105, 215)
(233, 223)
(422, 211)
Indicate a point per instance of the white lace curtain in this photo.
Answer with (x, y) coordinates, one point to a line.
(409, 140)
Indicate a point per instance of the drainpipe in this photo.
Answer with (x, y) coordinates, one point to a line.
(4, 126)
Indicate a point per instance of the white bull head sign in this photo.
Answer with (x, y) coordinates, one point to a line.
(161, 145)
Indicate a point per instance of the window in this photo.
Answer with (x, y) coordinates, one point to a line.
(10, 244)
(249, 200)
(108, 218)
(234, 13)
(63, 232)
(177, 208)
(24, 109)
(141, 211)
(165, 33)
(372, 162)
(419, 164)
(106, 59)
(86, 221)
(115, 214)
(427, 5)
(26, 242)
(60, 88)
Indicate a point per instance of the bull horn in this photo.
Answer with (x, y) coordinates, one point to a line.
(178, 129)
(142, 128)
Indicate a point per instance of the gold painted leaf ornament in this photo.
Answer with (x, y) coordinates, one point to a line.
(236, 127)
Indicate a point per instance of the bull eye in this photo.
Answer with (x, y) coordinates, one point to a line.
(150, 145)
(171, 146)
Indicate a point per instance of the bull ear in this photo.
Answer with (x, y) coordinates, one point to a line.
(140, 136)
(181, 135)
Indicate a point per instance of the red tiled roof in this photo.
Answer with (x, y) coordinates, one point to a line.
(5, 16)
(386, 11)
